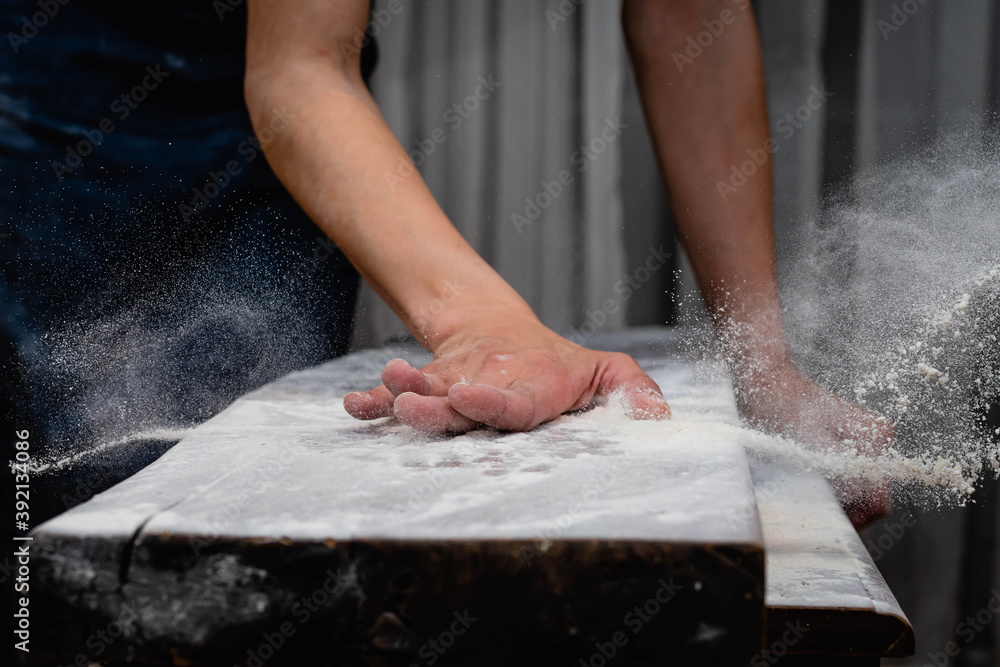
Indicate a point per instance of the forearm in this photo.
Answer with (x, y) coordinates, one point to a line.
(707, 116)
(341, 162)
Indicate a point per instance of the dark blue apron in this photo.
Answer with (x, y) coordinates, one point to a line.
(138, 218)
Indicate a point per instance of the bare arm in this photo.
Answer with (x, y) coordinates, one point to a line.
(704, 116)
(495, 363)
(708, 113)
(336, 153)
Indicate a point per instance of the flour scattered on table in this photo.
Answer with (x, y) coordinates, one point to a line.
(895, 304)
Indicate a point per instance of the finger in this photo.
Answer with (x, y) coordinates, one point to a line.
(864, 502)
(870, 436)
(370, 404)
(430, 414)
(644, 402)
(399, 377)
(874, 504)
(506, 409)
(639, 394)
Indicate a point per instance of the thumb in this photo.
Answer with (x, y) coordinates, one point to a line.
(643, 402)
(640, 396)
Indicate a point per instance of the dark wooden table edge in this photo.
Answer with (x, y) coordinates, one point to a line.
(865, 632)
(745, 557)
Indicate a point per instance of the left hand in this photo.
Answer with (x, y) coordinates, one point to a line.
(781, 400)
(508, 373)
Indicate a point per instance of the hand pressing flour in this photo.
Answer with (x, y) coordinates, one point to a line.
(512, 376)
(783, 401)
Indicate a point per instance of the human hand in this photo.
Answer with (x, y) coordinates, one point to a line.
(511, 375)
(781, 400)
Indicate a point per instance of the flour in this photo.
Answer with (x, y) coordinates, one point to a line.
(709, 415)
(107, 446)
(895, 304)
(171, 361)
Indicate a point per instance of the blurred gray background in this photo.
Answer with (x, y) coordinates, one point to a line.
(894, 92)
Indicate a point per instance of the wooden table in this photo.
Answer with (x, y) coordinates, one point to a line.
(283, 532)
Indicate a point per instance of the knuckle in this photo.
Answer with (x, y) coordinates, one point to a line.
(624, 359)
(496, 358)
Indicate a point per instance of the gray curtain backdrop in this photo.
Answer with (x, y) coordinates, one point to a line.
(564, 76)
(563, 82)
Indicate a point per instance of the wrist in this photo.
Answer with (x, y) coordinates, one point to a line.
(756, 371)
(460, 310)
(756, 351)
